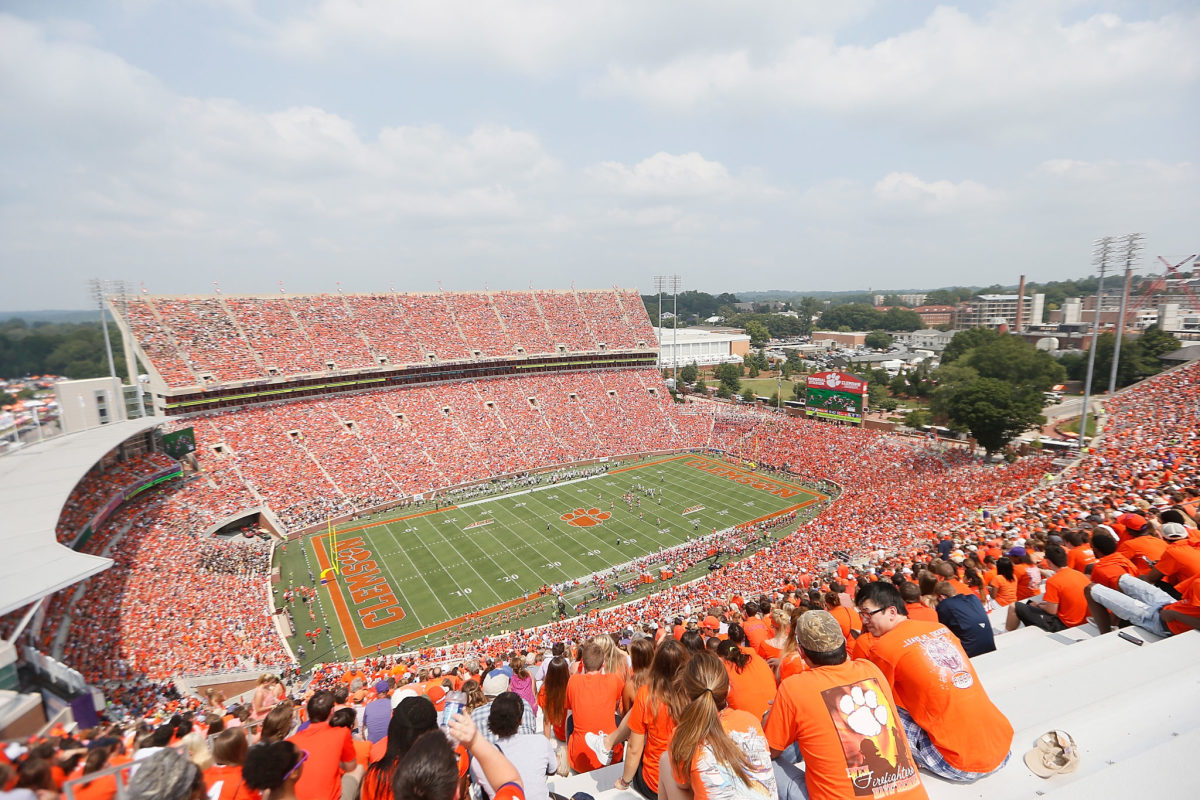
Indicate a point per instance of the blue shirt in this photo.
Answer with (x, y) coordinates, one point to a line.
(963, 614)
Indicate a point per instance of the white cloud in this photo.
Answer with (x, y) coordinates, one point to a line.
(907, 190)
(668, 175)
(542, 36)
(1019, 67)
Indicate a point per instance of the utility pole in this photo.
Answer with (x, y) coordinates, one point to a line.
(1133, 243)
(1101, 256)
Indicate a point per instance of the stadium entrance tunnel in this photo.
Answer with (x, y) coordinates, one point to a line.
(248, 524)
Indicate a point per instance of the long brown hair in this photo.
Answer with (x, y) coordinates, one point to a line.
(705, 685)
(669, 658)
(558, 672)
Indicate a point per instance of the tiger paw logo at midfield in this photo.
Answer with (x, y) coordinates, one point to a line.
(585, 517)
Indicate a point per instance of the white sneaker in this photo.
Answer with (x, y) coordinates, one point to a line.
(596, 742)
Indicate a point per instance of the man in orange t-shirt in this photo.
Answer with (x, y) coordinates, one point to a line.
(841, 717)
(1111, 564)
(330, 752)
(1063, 606)
(1179, 561)
(1143, 548)
(594, 699)
(955, 730)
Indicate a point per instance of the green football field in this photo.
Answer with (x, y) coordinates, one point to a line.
(430, 576)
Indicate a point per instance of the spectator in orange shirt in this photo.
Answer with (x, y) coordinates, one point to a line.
(707, 762)
(224, 779)
(276, 767)
(593, 698)
(912, 603)
(1081, 553)
(1064, 604)
(1004, 584)
(1179, 560)
(840, 717)
(330, 752)
(1111, 564)
(952, 725)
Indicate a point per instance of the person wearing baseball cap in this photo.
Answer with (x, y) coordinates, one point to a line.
(839, 716)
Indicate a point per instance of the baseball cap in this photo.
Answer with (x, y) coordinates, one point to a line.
(819, 632)
(1017, 551)
(711, 622)
(381, 687)
(1173, 531)
(437, 695)
(494, 684)
(1133, 522)
(401, 695)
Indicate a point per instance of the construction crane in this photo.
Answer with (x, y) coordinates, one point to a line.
(1160, 285)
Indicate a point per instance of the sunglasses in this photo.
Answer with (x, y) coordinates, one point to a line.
(869, 614)
(296, 766)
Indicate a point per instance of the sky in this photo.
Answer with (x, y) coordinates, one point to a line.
(805, 145)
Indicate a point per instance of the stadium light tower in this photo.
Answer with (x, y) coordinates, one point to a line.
(659, 284)
(1133, 243)
(98, 288)
(676, 282)
(1102, 256)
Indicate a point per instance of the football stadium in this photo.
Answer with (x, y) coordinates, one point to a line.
(392, 497)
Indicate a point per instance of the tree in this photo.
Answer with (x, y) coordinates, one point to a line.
(876, 392)
(799, 390)
(723, 391)
(901, 319)
(689, 373)
(806, 310)
(758, 333)
(852, 317)
(701, 387)
(753, 370)
(995, 411)
(748, 395)
(917, 418)
(786, 371)
(1013, 360)
(730, 377)
(889, 404)
(6, 399)
(966, 340)
(878, 340)
(1156, 342)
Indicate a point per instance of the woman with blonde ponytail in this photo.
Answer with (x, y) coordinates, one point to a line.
(716, 751)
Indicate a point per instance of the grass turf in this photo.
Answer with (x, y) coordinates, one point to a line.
(438, 569)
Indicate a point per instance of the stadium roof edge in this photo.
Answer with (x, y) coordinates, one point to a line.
(35, 483)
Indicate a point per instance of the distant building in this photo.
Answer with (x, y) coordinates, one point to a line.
(89, 403)
(933, 316)
(848, 339)
(996, 310)
(703, 346)
(907, 299)
(935, 341)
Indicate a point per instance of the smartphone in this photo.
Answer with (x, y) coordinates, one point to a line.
(1129, 637)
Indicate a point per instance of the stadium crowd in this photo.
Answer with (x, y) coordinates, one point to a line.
(321, 457)
(214, 340)
(919, 539)
(101, 484)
